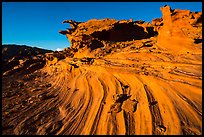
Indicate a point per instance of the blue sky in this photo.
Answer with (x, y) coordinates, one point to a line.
(37, 23)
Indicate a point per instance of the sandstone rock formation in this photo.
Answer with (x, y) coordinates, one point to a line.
(96, 34)
(118, 77)
(180, 27)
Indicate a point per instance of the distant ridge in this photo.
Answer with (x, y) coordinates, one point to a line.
(11, 50)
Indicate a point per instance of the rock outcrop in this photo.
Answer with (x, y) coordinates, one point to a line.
(175, 28)
(17, 58)
(95, 33)
(22, 51)
(117, 78)
(180, 29)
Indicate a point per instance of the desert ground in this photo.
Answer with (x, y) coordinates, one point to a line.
(110, 82)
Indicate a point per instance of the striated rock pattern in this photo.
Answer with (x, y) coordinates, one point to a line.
(117, 78)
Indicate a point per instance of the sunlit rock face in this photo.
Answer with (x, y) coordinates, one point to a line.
(176, 27)
(118, 78)
(180, 27)
(93, 32)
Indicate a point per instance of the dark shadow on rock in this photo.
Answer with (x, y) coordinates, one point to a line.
(122, 97)
(197, 41)
(153, 103)
(124, 32)
(151, 32)
(199, 20)
(96, 44)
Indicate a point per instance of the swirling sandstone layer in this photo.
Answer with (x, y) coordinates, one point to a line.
(119, 78)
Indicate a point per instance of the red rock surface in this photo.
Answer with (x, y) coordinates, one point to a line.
(118, 77)
(181, 27)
